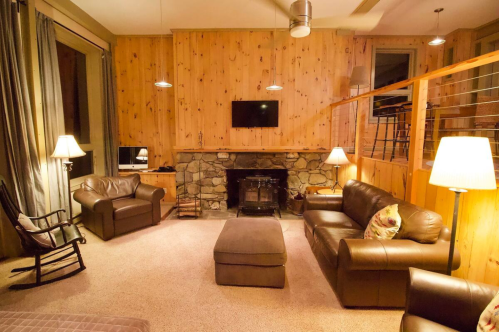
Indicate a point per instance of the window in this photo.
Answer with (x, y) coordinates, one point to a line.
(391, 66)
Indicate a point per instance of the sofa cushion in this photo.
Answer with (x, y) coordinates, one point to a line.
(113, 187)
(360, 201)
(384, 224)
(412, 323)
(489, 319)
(327, 240)
(321, 218)
(418, 224)
(129, 207)
(250, 241)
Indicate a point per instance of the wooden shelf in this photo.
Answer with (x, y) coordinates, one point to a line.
(251, 149)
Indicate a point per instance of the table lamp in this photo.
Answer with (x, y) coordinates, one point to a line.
(142, 154)
(337, 158)
(463, 163)
(67, 148)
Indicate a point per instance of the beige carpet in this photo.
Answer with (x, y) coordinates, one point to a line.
(165, 274)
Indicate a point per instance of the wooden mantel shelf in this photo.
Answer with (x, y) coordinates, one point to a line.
(251, 149)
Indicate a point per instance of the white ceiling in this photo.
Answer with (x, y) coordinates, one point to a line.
(402, 17)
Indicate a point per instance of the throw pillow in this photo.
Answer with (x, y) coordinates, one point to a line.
(384, 224)
(489, 319)
(42, 239)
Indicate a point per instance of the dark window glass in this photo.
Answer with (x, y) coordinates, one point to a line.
(390, 68)
(73, 73)
(82, 165)
(380, 101)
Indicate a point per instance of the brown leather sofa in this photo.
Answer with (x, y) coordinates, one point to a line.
(117, 205)
(439, 303)
(372, 273)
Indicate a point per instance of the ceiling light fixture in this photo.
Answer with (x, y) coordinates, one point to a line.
(299, 24)
(437, 40)
(274, 87)
(162, 83)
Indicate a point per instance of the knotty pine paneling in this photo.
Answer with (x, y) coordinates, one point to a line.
(216, 67)
(388, 176)
(146, 113)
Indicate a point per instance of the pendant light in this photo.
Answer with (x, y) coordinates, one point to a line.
(274, 86)
(162, 83)
(437, 40)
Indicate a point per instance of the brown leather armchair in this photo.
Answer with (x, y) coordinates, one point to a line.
(438, 303)
(117, 205)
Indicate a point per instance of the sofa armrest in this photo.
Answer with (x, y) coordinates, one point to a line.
(149, 193)
(360, 254)
(453, 302)
(93, 201)
(323, 202)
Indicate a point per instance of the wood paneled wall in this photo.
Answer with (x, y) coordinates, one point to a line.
(146, 113)
(388, 176)
(215, 68)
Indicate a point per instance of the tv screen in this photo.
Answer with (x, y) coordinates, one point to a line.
(132, 157)
(255, 113)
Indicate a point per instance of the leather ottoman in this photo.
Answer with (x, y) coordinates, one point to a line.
(250, 252)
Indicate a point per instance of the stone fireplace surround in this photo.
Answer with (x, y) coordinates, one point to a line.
(304, 169)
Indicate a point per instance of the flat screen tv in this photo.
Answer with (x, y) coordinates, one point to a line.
(255, 113)
(132, 157)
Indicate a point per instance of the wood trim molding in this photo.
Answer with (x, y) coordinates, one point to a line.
(250, 149)
(82, 18)
(457, 67)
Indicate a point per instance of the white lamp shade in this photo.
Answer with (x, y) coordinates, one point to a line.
(337, 157)
(142, 154)
(464, 163)
(359, 78)
(67, 148)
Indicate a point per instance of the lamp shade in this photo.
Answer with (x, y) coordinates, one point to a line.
(142, 154)
(359, 78)
(337, 157)
(464, 162)
(67, 148)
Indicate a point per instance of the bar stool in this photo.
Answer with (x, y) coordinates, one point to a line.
(386, 112)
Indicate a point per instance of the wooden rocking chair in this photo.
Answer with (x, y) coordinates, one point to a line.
(65, 237)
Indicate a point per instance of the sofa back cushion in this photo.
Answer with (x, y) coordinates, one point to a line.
(418, 224)
(113, 187)
(360, 201)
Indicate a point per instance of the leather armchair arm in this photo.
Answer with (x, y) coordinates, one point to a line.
(360, 254)
(453, 302)
(149, 193)
(93, 201)
(323, 202)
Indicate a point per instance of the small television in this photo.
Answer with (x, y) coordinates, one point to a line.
(133, 157)
(255, 113)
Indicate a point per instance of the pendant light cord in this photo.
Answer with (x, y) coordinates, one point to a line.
(273, 39)
(438, 21)
(161, 40)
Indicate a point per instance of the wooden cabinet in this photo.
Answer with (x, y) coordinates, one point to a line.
(158, 179)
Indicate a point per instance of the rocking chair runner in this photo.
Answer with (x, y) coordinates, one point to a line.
(65, 237)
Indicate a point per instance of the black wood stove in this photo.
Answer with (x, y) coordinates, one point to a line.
(258, 195)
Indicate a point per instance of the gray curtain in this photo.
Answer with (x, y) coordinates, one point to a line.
(109, 110)
(15, 108)
(53, 112)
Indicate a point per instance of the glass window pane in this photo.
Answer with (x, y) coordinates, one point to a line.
(73, 73)
(82, 165)
(386, 100)
(391, 68)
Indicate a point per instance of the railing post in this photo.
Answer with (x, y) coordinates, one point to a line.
(418, 118)
(359, 133)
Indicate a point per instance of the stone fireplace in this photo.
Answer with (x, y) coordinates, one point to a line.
(205, 172)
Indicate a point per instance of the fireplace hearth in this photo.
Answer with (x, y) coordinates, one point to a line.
(258, 194)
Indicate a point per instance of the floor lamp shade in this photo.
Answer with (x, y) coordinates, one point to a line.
(67, 148)
(359, 77)
(464, 163)
(337, 157)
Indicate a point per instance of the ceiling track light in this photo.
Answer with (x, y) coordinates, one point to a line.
(162, 83)
(437, 40)
(274, 86)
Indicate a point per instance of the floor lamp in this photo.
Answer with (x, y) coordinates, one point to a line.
(67, 148)
(337, 158)
(463, 163)
(358, 80)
